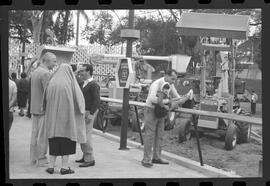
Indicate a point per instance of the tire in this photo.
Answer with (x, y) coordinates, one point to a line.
(231, 137)
(184, 133)
(134, 124)
(243, 132)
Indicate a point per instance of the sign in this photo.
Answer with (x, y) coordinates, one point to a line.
(124, 73)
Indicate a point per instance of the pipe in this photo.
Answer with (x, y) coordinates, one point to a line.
(255, 121)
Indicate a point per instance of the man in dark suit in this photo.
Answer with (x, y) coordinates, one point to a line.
(91, 93)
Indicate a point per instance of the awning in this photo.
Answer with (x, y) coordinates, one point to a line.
(214, 25)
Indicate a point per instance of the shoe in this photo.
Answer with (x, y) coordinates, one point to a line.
(66, 171)
(148, 165)
(50, 170)
(80, 161)
(88, 164)
(159, 161)
(28, 115)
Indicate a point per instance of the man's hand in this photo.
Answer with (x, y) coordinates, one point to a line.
(88, 116)
(166, 101)
(167, 107)
(174, 105)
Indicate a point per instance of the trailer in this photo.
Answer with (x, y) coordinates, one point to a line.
(230, 29)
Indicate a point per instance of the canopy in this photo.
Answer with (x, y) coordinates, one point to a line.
(214, 25)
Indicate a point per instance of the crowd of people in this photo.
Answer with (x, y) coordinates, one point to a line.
(64, 102)
(63, 112)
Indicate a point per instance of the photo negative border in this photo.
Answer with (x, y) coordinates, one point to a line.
(6, 5)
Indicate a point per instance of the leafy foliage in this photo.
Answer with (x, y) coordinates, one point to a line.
(63, 27)
(20, 27)
(100, 30)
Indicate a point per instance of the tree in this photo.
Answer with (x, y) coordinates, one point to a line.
(30, 26)
(83, 13)
(63, 27)
(20, 27)
(99, 32)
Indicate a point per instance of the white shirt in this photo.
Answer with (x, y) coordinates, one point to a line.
(254, 98)
(12, 92)
(155, 87)
(87, 81)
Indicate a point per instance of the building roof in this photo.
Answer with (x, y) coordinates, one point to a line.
(214, 25)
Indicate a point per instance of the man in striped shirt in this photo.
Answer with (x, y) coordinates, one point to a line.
(154, 126)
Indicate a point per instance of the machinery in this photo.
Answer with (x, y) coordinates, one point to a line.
(111, 112)
(217, 92)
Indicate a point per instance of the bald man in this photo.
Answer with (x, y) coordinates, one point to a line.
(39, 80)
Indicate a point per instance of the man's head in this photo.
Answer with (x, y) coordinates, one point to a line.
(13, 75)
(49, 60)
(23, 75)
(86, 71)
(170, 76)
(165, 88)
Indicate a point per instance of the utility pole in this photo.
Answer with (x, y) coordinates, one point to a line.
(129, 36)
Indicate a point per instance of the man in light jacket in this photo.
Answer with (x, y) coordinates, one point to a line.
(39, 81)
(154, 126)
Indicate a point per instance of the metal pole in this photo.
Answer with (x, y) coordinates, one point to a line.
(197, 139)
(233, 67)
(203, 74)
(138, 123)
(125, 108)
(23, 57)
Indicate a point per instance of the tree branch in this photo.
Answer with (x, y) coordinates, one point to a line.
(173, 14)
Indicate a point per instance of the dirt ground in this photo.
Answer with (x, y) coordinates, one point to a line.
(243, 160)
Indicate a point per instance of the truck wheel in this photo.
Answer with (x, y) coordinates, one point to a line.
(231, 137)
(134, 124)
(244, 132)
(184, 133)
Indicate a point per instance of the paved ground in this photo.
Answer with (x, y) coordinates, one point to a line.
(110, 162)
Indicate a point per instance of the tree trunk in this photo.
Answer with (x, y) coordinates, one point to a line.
(77, 30)
(44, 26)
(23, 57)
(65, 26)
(37, 23)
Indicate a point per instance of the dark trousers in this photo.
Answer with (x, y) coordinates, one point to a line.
(10, 119)
(253, 108)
